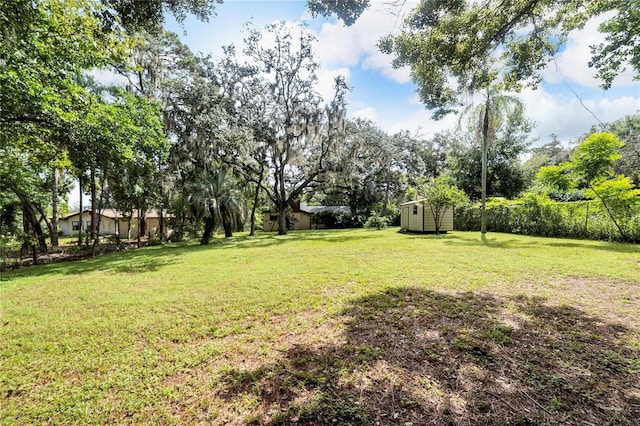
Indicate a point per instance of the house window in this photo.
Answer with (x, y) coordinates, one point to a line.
(273, 218)
(415, 209)
(88, 225)
(75, 225)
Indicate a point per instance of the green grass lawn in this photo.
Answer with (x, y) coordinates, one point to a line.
(327, 327)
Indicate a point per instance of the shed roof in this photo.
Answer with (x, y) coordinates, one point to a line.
(420, 201)
(316, 209)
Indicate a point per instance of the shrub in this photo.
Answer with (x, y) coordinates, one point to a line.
(8, 245)
(378, 222)
(336, 220)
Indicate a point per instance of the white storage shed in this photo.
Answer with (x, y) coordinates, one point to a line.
(416, 216)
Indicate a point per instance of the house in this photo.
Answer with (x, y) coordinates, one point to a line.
(301, 216)
(416, 216)
(112, 222)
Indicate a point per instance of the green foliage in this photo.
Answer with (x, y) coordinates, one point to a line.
(9, 244)
(371, 169)
(536, 214)
(618, 197)
(411, 194)
(40, 96)
(304, 132)
(549, 154)
(138, 15)
(558, 177)
(592, 163)
(454, 47)
(595, 157)
(329, 219)
(347, 11)
(628, 131)
(216, 198)
(620, 46)
(377, 222)
(441, 195)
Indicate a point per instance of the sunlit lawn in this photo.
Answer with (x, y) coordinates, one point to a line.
(328, 327)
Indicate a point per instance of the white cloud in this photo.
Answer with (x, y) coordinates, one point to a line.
(562, 114)
(572, 64)
(420, 120)
(367, 113)
(382, 62)
(565, 115)
(339, 45)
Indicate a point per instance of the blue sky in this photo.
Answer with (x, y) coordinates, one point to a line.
(388, 97)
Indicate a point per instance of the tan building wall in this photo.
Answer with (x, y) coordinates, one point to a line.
(301, 220)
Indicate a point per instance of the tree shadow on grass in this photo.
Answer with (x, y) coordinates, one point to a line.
(416, 357)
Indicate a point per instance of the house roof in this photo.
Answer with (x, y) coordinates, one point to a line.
(113, 214)
(305, 208)
(316, 209)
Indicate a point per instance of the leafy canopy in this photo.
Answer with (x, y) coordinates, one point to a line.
(457, 46)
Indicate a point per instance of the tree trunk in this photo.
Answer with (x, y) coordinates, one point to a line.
(80, 207)
(94, 204)
(30, 222)
(282, 219)
(436, 217)
(43, 216)
(255, 202)
(383, 211)
(96, 237)
(54, 207)
(141, 228)
(282, 204)
(238, 222)
(161, 223)
(226, 221)
(485, 135)
(209, 225)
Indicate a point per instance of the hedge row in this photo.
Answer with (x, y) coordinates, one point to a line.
(537, 215)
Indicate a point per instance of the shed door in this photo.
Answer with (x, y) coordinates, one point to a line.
(404, 217)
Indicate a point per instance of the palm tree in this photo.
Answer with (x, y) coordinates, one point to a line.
(215, 196)
(486, 119)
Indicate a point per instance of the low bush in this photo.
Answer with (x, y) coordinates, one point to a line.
(378, 222)
(329, 219)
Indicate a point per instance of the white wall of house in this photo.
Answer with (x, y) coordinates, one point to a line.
(71, 224)
(109, 225)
